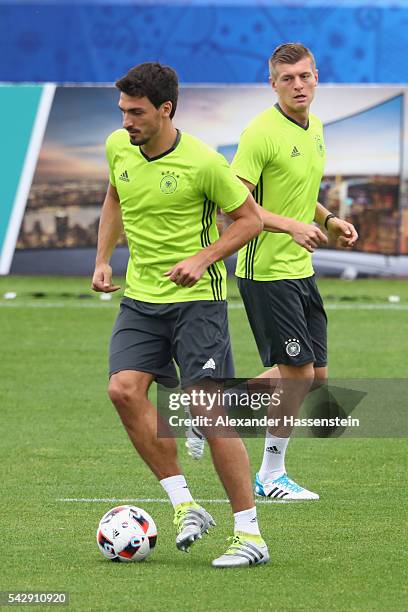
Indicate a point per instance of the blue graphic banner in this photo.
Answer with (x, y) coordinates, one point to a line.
(97, 41)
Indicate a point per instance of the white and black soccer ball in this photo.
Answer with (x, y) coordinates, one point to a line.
(126, 533)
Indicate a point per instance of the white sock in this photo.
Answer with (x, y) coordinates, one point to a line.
(273, 462)
(177, 489)
(246, 521)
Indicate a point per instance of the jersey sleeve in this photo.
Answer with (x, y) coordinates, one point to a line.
(254, 153)
(220, 185)
(109, 157)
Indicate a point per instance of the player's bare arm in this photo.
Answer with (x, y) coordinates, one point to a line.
(246, 225)
(110, 228)
(342, 231)
(305, 235)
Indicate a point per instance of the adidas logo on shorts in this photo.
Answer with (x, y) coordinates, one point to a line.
(209, 365)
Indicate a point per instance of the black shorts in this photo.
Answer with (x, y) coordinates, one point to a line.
(288, 320)
(150, 337)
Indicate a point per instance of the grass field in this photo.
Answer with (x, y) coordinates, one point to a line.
(62, 439)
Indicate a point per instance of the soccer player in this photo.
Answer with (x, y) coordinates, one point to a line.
(280, 158)
(164, 190)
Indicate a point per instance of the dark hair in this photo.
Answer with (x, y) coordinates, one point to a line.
(289, 53)
(151, 80)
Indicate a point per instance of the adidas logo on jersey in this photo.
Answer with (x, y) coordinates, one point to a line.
(124, 176)
(295, 152)
(209, 365)
(273, 449)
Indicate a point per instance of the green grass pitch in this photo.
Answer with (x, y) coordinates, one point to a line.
(62, 439)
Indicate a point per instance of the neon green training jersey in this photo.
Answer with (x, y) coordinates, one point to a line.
(285, 161)
(169, 207)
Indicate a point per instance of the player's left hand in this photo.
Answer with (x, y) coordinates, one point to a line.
(189, 271)
(344, 232)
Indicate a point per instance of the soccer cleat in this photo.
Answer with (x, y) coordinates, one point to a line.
(191, 521)
(195, 443)
(245, 550)
(283, 488)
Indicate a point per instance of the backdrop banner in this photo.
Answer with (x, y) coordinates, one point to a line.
(365, 178)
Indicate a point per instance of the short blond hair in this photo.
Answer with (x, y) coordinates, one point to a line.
(289, 53)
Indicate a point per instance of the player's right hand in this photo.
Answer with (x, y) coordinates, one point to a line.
(310, 237)
(102, 279)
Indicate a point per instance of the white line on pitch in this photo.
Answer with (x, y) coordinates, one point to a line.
(142, 500)
(232, 306)
(79, 304)
(150, 500)
(366, 306)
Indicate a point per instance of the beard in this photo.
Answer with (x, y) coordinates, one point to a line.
(138, 140)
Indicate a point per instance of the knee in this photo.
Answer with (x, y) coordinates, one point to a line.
(301, 373)
(116, 392)
(297, 379)
(124, 393)
(320, 377)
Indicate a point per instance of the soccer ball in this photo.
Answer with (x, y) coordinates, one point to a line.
(126, 533)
